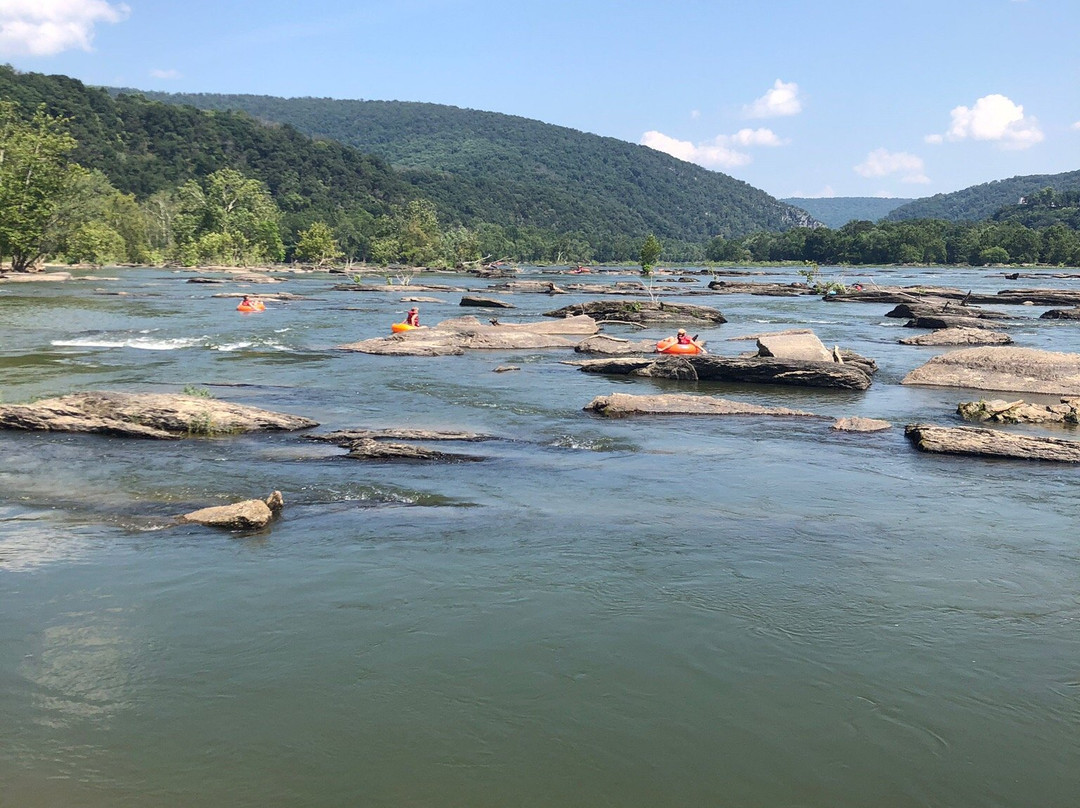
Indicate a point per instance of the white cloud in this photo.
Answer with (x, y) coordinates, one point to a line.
(166, 74)
(47, 27)
(998, 119)
(782, 99)
(695, 114)
(934, 139)
(716, 153)
(882, 163)
(1076, 126)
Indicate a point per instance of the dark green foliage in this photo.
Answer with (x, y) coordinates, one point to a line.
(983, 201)
(514, 172)
(838, 211)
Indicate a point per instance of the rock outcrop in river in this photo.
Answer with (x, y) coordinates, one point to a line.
(749, 370)
(620, 405)
(1020, 412)
(454, 337)
(967, 440)
(1018, 370)
(641, 312)
(145, 415)
(251, 514)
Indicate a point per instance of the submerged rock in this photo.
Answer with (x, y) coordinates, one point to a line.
(860, 424)
(972, 441)
(145, 415)
(619, 405)
(1019, 370)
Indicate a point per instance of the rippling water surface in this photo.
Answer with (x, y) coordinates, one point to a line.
(641, 612)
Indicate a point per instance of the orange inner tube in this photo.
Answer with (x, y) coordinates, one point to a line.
(254, 306)
(398, 327)
(671, 345)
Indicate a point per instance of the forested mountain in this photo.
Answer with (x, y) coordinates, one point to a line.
(839, 210)
(983, 201)
(510, 171)
(144, 147)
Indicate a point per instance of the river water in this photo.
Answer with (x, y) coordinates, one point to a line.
(641, 612)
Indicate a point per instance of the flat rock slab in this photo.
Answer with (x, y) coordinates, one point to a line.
(975, 442)
(343, 437)
(641, 311)
(614, 346)
(30, 277)
(939, 321)
(455, 337)
(748, 370)
(1019, 370)
(530, 287)
(145, 415)
(620, 405)
(369, 449)
(944, 308)
(859, 424)
(1061, 314)
(959, 336)
(759, 288)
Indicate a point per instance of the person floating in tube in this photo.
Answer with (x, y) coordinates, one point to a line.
(413, 317)
(682, 338)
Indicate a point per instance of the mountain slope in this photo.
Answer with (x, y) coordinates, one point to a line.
(837, 211)
(514, 171)
(983, 201)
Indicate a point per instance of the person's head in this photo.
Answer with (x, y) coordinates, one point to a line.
(414, 310)
(682, 332)
(246, 298)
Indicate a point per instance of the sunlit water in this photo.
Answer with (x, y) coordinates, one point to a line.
(641, 612)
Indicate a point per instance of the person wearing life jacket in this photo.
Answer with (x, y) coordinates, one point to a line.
(682, 338)
(413, 317)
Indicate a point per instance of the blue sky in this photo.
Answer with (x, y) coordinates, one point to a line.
(825, 98)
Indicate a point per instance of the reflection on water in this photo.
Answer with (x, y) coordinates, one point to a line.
(667, 611)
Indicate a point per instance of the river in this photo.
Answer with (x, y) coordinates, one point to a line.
(649, 612)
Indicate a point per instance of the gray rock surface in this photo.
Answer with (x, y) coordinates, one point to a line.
(976, 442)
(145, 415)
(860, 424)
(251, 514)
(642, 312)
(1019, 370)
(959, 336)
(793, 346)
(619, 405)
(1020, 412)
(752, 370)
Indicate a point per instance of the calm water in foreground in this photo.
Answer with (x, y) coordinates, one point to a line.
(646, 612)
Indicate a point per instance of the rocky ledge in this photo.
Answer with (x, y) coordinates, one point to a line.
(145, 415)
(1021, 412)
(972, 441)
(1018, 370)
(641, 312)
(454, 337)
(620, 405)
(747, 370)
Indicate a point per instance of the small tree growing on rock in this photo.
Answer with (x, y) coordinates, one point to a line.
(650, 254)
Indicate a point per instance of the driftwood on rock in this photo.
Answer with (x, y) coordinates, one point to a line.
(747, 370)
(1018, 370)
(973, 441)
(619, 405)
(640, 311)
(1020, 412)
(959, 336)
(145, 415)
(250, 514)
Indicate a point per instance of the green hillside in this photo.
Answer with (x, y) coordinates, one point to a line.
(837, 211)
(983, 201)
(513, 171)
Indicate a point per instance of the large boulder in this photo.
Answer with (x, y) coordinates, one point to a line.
(251, 514)
(145, 415)
(793, 346)
(973, 441)
(620, 405)
(1020, 412)
(1019, 370)
(614, 346)
(484, 302)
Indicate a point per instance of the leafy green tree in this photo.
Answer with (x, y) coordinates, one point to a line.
(95, 243)
(35, 176)
(649, 254)
(317, 245)
(92, 206)
(227, 218)
(410, 234)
